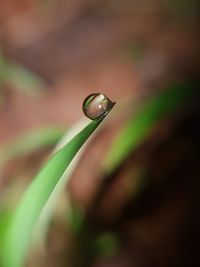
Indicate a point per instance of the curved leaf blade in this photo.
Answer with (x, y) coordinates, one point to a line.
(19, 231)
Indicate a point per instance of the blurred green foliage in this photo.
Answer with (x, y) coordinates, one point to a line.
(144, 121)
(29, 142)
(18, 77)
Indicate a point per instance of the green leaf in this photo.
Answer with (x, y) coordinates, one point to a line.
(143, 123)
(20, 77)
(29, 142)
(19, 232)
(25, 80)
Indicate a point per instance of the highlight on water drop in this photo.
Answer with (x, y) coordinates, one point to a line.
(96, 106)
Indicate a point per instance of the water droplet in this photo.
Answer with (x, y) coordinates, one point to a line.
(97, 106)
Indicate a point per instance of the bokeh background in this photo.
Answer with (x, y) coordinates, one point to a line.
(53, 53)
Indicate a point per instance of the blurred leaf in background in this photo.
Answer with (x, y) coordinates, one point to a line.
(20, 78)
(29, 142)
(144, 121)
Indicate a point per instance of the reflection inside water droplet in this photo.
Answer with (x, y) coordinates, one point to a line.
(97, 106)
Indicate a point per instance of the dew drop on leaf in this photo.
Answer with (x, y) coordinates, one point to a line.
(97, 106)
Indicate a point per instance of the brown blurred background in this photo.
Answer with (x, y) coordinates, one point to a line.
(77, 47)
(53, 53)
